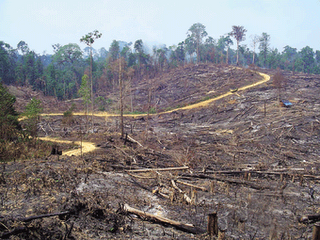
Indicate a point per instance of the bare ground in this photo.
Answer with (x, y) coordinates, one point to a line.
(253, 162)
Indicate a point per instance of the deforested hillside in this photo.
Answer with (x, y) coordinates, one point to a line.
(244, 155)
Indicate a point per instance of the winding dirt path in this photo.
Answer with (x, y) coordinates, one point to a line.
(265, 79)
(88, 146)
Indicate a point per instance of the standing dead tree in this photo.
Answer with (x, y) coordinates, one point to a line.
(279, 81)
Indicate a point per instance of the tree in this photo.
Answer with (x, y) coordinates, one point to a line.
(225, 42)
(84, 92)
(6, 66)
(274, 59)
(228, 42)
(89, 39)
(264, 46)
(23, 47)
(68, 60)
(114, 50)
(239, 33)
(9, 124)
(318, 56)
(32, 112)
(255, 39)
(209, 49)
(119, 67)
(307, 57)
(142, 56)
(289, 55)
(160, 57)
(279, 82)
(195, 34)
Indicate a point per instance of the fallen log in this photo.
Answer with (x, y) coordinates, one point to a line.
(185, 196)
(232, 181)
(18, 230)
(309, 218)
(181, 226)
(141, 177)
(28, 219)
(192, 185)
(159, 169)
(15, 231)
(133, 140)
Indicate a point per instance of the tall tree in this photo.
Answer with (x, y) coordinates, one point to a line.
(289, 55)
(195, 34)
(32, 112)
(279, 81)
(209, 49)
(225, 42)
(9, 124)
(264, 46)
(177, 54)
(307, 57)
(254, 39)
(274, 59)
(239, 33)
(142, 56)
(68, 60)
(23, 47)
(114, 50)
(4, 62)
(84, 92)
(89, 39)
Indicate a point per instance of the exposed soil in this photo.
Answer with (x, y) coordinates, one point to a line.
(253, 162)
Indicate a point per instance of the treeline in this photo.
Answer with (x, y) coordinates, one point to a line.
(60, 74)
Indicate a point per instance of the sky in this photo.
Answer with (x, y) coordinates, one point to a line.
(42, 23)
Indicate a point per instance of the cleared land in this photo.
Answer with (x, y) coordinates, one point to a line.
(243, 156)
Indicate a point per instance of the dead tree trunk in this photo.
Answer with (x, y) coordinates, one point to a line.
(181, 226)
(212, 227)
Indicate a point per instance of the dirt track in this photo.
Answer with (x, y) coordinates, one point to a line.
(254, 163)
(88, 147)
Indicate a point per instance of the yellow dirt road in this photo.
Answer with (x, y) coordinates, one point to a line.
(265, 79)
(86, 146)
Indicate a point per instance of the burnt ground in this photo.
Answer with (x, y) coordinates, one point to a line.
(253, 162)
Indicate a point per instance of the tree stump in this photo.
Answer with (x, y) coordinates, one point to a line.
(316, 232)
(212, 227)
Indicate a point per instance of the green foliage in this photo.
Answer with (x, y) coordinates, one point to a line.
(102, 103)
(7, 73)
(114, 50)
(84, 90)
(91, 37)
(68, 115)
(9, 125)
(14, 142)
(239, 33)
(32, 113)
(307, 57)
(152, 110)
(264, 47)
(195, 35)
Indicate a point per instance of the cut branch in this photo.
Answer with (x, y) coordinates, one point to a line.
(181, 226)
(309, 218)
(192, 185)
(232, 181)
(185, 196)
(159, 169)
(133, 140)
(28, 219)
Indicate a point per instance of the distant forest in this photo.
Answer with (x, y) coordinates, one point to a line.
(61, 73)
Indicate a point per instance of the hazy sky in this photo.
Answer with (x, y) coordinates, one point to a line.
(42, 23)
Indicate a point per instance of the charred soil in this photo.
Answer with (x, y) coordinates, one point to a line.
(246, 158)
